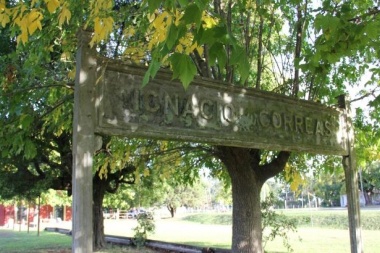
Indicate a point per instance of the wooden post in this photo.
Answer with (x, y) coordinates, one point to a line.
(83, 145)
(39, 217)
(351, 178)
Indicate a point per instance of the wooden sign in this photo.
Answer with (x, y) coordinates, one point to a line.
(109, 99)
(211, 112)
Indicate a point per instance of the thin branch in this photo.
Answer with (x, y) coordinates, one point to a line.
(259, 53)
(367, 94)
(58, 104)
(68, 86)
(371, 12)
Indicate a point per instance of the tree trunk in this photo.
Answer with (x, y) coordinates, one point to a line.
(367, 198)
(171, 209)
(98, 220)
(247, 178)
(246, 212)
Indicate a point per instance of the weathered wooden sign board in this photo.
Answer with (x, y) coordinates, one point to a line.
(109, 99)
(212, 112)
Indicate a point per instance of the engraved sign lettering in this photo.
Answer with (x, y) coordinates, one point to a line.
(212, 112)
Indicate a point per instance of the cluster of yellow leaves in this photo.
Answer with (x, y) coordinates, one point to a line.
(28, 24)
(208, 21)
(64, 15)
(187, 45)
(4, 13)
(161, 21)
(160, 25)
(28, 18)
(102, 28)
(103, 23)
(119, 158)
(135, 53)
(294, 177)
(52, 5)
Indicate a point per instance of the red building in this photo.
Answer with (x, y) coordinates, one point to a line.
(6, 213)
(47, 213)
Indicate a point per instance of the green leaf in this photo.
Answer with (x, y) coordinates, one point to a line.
(169, 4)
(153, 5)
(215, 34)
(172, 36)
(192, 15)
(183, 3)
(183, 68)
(154, 66)
(30, 150)
(202, 4)
(239, 58)
(217, 55)
(25, 120)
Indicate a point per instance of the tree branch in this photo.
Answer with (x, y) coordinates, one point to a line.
(367, 94)
(275, 166)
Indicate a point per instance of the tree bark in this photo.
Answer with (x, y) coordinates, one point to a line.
(246, 212)
(98, 219)
(172, 210)
(367, 197)
(247, 178)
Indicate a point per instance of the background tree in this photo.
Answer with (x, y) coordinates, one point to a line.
(328, 188)
(187, 196)
(370, 182)
(367, 135)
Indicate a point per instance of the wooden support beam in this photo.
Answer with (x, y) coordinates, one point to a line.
(351, 178)
(83, 146)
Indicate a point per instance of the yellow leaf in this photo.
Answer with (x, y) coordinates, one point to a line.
(34, 21)
(102, 28)
(151, 17)
(208, 21)
(23, 37)
(129, 31)
(97, 25)
(65, 56)
(65, 15)
(4, 18)
(200, 50)
(103, 171)
(71, 74)
(177, 17)
(52, 5)
(22, 23)
(294, 177)
(162, 20)
(179, 48)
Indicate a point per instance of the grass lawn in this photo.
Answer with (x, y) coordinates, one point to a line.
(316, 240)
(15, 241)
(48, 242)
(197, 230)
(201, 230)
